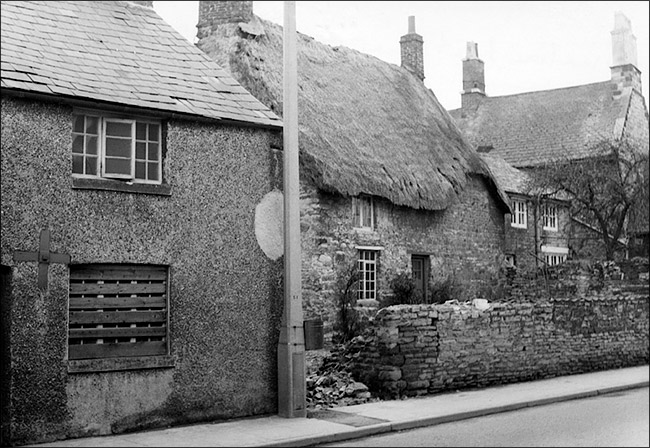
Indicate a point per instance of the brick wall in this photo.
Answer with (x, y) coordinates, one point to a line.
(425, 349)
(212, 14)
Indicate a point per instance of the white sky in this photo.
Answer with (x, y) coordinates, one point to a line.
(526, 46)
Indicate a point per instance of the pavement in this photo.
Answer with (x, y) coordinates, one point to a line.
(351, 422)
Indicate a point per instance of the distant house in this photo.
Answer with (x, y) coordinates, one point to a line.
(530, 129)
(537, 230)
(388, 182)
(141, 285)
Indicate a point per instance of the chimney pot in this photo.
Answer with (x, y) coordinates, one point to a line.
(411, 24)
(624, 56)
(472, 50)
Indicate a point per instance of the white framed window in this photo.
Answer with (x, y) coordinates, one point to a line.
(367, 274)
(117, 148)
(519, 216)
(554, 255)
(363, 212)
(554, 259)
(549, 217)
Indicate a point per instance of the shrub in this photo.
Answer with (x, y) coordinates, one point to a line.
(404, 291)
(447, 289)
(347, 324)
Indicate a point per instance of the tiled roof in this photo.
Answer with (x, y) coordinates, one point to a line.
(530, 128)
(511, 179)
(121, 53)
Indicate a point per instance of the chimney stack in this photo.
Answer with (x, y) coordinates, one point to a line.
(473, 78)
(625, 74)
(411, 49)
(213, 14)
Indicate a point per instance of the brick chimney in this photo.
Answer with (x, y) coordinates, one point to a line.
(624, 70)
(212, 14)
(473, 78)
(411, 47)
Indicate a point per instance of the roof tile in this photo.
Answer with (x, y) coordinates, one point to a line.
(531, 128)
(112, 51)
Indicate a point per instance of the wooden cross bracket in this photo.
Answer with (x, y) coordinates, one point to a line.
(44, 257)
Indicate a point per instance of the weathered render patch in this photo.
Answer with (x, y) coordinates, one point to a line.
(108, 397)
(269, 219)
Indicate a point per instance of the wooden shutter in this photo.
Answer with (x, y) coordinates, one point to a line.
(117, 311)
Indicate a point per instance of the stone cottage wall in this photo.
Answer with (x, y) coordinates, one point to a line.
(525, 244)
(466, 240)
(425, 349)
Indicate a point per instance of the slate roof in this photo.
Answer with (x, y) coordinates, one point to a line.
(121, 53)
(511, 179)
(366, 126)
(529, 129)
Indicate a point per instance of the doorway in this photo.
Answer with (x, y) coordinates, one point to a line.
(420, 271)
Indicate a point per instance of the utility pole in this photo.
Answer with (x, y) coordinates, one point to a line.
(291, 346)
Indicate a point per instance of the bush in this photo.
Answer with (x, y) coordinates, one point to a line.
(447, 289)
(347, 324)
(404, 291)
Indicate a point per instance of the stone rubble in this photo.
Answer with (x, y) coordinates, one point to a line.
(330, 382)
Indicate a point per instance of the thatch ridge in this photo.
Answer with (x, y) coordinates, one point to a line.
(366, 126)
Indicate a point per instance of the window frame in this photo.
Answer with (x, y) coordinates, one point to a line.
(550, 217)
(362, 205)
(367, 266)
(519, 215)
(554, 255)
(103, 119)
(99, 302)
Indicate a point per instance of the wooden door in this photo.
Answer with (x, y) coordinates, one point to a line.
(420, 275)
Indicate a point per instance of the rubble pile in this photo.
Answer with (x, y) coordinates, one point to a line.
(330, 383)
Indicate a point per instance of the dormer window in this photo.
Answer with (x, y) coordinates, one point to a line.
(363, 212)
(125, 149)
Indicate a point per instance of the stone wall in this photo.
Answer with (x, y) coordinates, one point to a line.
(465, 241)
(526, 244)
(424, 349)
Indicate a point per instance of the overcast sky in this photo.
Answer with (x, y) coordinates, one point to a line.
(526, 46)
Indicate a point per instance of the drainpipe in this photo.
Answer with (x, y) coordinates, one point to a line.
(535, 224)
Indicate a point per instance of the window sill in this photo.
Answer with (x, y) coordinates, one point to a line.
(364, 229)
(82, 183)
(119, 364)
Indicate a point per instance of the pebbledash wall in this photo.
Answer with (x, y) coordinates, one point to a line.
(424, 349)
(222, 362)
(466, 238)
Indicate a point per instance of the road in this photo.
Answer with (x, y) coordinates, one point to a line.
(616, 419)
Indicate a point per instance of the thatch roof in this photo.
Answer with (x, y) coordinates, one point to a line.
(366, 126)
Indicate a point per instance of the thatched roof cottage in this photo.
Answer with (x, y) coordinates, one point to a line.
(387, 179)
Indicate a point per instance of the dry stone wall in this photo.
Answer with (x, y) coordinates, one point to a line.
(415, 350)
